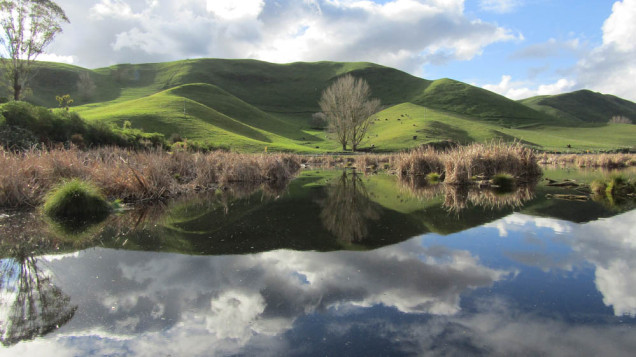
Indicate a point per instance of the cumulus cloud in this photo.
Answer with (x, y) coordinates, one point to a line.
(500, 6)
(610, 68)
(520, 90)
(551, 48)
(400, 33)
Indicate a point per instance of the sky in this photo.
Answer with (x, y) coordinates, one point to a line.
(518, 48)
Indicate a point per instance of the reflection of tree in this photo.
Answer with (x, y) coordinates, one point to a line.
(30, 304)
(347, 208)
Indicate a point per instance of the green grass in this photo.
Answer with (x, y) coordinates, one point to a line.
(583, 105)
(248, 105)
(76, 201)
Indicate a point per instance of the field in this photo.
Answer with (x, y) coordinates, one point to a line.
(253, 106)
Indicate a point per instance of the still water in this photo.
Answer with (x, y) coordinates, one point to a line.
(334, 264)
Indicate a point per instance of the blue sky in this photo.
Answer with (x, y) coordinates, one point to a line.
(518, 48)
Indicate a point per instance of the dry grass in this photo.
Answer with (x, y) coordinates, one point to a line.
(609, 161)
(134, 176)
(458, 165)
(420, 162)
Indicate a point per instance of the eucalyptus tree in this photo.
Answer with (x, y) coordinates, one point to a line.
(349, 109)
(28, 27)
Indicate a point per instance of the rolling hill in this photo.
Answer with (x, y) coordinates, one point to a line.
(249, 105)
(583, 105)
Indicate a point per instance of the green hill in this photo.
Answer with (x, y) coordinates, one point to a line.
(583, 105)
(248, 105)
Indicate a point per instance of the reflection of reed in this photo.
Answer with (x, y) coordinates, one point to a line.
(30, 304)
(420, 187)
(494, 200)
(457, 198)
(347, 208)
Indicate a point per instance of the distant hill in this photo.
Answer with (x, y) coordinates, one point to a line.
(583, 105)
(249, 105)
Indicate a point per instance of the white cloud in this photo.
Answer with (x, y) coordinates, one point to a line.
(51, 57)
(403, 33)
(111, 8)
(611, 68)
(608, 68)
(520, 90)
(235, 9)
(499, 6)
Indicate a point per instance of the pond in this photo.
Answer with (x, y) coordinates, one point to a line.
(336, 263)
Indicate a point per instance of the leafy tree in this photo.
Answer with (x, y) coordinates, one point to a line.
(349, 109)
(28, 26)
(65, 101)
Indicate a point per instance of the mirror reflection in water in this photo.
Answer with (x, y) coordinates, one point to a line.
(337, 262)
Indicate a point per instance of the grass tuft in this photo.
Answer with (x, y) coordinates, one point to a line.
(76, 201)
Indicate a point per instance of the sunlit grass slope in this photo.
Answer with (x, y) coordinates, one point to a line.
(249, 104)
(583, 105)
(410, 125)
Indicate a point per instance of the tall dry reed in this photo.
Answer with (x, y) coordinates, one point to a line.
(133, 176)
(609, 161)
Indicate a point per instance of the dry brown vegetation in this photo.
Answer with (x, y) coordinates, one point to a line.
(463, 164)
(134, 176)
(609, 161)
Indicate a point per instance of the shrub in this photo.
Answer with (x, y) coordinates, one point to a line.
(16, 139)
(76, 201)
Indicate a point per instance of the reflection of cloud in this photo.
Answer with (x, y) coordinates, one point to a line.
(521, 222)
(237, 304)
(499, 330)
(609, 244)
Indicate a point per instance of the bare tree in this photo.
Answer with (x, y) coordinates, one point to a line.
(28, 26)
(85, 86)
(620, 119)
(349, 109)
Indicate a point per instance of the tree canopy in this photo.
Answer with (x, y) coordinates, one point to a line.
(28, 27)
(349, 109)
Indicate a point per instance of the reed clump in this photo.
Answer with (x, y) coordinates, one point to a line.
(464, 164)
(133, 176)
(467, 164)
(607, 160)
(420, 162)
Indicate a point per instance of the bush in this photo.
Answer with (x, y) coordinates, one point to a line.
(16, 139)
(61, 126)
(76, 201)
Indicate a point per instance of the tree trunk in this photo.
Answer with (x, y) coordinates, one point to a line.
(17, 88)
(344, 147)
(355, 147)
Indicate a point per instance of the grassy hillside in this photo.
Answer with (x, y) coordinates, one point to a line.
(249, 105)
(583, 105)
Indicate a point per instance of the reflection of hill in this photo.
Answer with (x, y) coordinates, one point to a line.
(321, 210)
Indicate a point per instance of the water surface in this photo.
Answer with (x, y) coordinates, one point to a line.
(333, 264)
